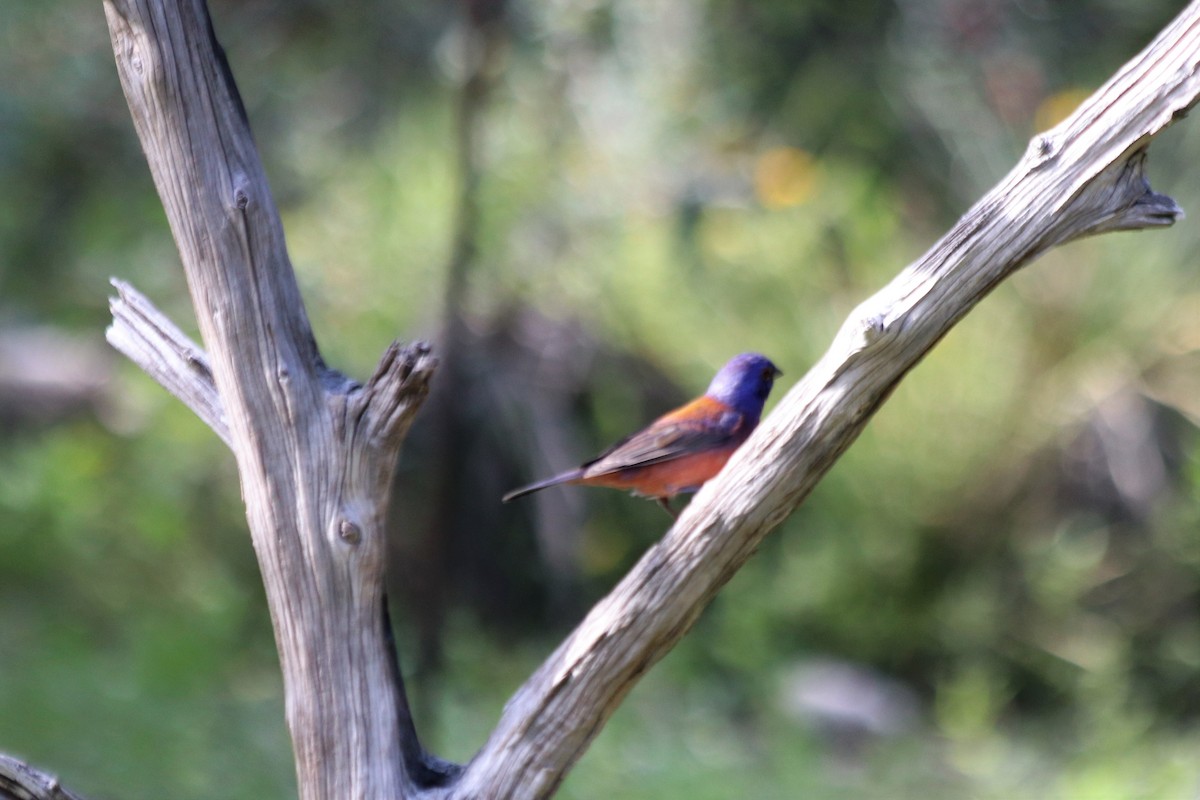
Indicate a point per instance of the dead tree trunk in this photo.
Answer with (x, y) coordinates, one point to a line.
(315, 451)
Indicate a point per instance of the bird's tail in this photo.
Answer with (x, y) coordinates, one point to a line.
(565, 477)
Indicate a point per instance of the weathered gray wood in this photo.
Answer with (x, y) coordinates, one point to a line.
(1083, 177)
(150, 340)
(19, 781)
(315, 452)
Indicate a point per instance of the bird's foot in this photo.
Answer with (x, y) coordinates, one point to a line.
(665, 504)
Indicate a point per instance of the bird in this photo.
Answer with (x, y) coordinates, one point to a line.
(676, 453)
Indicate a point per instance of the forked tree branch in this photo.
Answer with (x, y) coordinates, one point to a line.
(1085, 176)
(315, 451)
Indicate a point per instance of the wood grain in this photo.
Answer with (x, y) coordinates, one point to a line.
(1086, 176)
(315, 451)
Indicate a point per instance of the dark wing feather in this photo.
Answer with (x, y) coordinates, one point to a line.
(666, 440)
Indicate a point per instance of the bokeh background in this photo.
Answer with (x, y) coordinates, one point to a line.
(589, 205)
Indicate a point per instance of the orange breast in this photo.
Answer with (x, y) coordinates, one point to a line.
(668, 478)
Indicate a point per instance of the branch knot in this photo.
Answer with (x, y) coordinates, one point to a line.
(391, 397)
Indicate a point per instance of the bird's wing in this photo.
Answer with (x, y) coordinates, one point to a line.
(703, 424)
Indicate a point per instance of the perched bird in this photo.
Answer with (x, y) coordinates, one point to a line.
(681, 450)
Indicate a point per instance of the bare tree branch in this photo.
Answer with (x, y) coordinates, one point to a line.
(315, 451)
(19, 781)
(1085, 176)
(165, 353)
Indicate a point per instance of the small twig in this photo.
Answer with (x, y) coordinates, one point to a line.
(150, 340)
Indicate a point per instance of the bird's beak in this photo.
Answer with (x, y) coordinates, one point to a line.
(778, 372)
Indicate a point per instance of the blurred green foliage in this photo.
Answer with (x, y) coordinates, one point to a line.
(1012, 541)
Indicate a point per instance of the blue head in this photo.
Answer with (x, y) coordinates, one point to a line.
(744, 383)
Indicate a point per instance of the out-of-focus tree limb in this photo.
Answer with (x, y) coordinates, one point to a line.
(19, 781)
